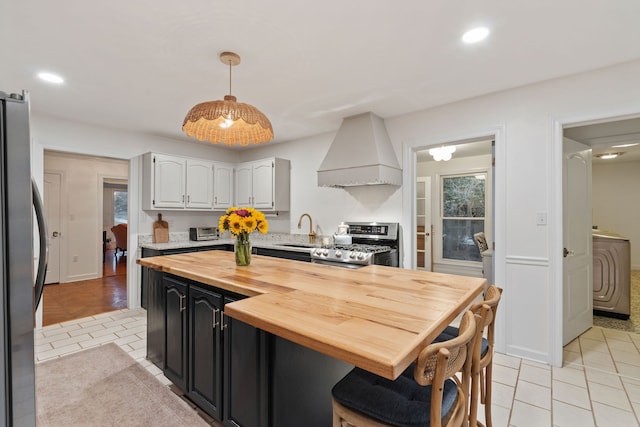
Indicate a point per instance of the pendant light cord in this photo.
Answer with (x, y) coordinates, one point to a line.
(229, 77)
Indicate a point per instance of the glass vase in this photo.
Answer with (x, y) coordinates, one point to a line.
(242, 248)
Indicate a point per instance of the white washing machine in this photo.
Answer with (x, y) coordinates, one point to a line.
(611, 274)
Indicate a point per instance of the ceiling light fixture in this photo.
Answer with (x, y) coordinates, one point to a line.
(228, 121)
(50, 78)
(475, 35)
(442, 153)
(632, 144)
(608, 156)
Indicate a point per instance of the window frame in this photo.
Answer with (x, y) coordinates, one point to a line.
(439, 221)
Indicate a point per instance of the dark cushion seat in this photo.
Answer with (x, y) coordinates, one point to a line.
(452, 332)
(402, 403)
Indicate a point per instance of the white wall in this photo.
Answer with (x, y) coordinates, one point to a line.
(50, 133)
(527, 124)
(327, 206)
(55, 134)
(616, 202)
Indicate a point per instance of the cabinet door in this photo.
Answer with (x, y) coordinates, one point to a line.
(152, 280)
(263, 197)
(168, 188)
(222, 186)
(199, 184)
(175, 327)
(244, 185)
(205, 360)
(245, 374)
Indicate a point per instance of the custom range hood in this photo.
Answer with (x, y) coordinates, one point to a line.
(361, 154)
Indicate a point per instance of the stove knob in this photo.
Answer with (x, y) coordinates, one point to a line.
(325, 252)
(360, 256)
(352, 255)
(338, 254)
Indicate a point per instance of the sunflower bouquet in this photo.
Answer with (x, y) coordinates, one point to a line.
(241, 222)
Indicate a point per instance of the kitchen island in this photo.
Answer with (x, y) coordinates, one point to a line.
(377, 318)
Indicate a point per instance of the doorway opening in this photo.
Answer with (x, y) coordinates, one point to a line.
(453, 208)
(614, 259)
(91, 278)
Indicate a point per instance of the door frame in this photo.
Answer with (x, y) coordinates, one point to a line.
(556, 212)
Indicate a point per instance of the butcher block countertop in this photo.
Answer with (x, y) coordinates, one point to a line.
(376, 317)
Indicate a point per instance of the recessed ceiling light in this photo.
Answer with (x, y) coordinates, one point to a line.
(50, 78)
(475, 35)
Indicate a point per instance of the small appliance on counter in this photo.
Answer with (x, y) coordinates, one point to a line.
(204, 233)
(342, 237)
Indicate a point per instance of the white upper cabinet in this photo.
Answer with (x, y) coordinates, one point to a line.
(168, 181)
(199, 194)
(264, 184)
(244, 184)
(222, 185)
(174, 182)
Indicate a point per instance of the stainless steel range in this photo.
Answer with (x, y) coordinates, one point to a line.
(372, 243)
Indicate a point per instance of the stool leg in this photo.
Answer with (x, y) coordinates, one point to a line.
(487, 400)
(473, 409)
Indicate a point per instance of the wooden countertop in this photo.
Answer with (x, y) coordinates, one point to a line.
(377, 318)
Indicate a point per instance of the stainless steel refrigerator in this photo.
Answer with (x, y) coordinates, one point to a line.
(21, 286)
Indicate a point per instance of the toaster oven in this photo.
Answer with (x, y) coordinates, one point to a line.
(203, 233)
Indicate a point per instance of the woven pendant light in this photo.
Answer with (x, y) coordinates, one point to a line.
(228, 121)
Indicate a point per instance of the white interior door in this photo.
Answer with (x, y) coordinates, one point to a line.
(578, 261)
(52, 182)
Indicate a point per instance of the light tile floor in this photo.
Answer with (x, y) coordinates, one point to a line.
(599, 384)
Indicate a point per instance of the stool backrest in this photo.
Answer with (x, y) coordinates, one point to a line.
(491, 299)
(442, 360)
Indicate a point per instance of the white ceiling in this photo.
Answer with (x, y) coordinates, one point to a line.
(141, 65)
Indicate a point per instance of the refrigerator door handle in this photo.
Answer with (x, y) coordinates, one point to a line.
(44, 250)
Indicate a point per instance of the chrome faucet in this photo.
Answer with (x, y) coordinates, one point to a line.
(312, 234)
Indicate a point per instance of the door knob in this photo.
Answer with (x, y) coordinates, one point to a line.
(566, 252)
(55, 234)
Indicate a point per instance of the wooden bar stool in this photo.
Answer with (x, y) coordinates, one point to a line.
(482, 366)
(427, 394)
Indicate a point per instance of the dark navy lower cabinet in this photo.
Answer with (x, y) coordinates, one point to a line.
(175, 323)
(245, 374)
(205, 350)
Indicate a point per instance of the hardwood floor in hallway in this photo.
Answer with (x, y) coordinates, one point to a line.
(75, 300)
